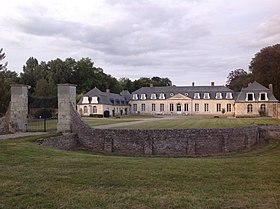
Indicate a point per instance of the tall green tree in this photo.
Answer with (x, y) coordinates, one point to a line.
(265, 67)
(238, 79)
(2, 56)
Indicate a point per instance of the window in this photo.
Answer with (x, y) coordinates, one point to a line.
(263, 108)
(219, 95)
(94, 109)
(134, 107)
(179, 107)
(161, 107)
(85, 109)
(219, 107)
(153, 96)
(196, 96)
(153, 107)
(229, 95)
(228, 107)
(206, 107)
(143, 96)
(186, 107)
(134, 96)
(196, 107)
(85, 100)
(171, 94)
(206, 96)
(186, 94)
(143, 107)
(249, 108)
(171, 107)
(161, 96)
(250, 97)
(263, 97)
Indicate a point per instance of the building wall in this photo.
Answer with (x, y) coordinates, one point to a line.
(212, 104)
(101, 108)
(241, 109)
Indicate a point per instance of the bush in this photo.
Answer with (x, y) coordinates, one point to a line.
(43, 112)
(262, 113)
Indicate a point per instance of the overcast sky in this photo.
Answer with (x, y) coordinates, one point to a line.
(185, 40)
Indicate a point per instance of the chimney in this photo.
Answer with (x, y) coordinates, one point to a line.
(212, 83)
(151, 85)
(107, 90)
(270, 86)
(249, 84)
(192, 83)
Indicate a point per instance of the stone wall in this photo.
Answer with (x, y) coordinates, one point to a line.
(65, 142)
(269, 131)
(171, 142)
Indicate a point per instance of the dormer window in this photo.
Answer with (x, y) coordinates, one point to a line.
(250, 97)
(143, 96)
(186, 94)
(153, 96)
(171, 94)
(94, 100)
(85, 100)
(263, 96)
(206, 96)
(229, 95)
(161, 96)
(196, 96)
(134, 96)
(219, 95)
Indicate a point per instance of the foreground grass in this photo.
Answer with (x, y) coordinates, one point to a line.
(32, 176)
(107, 121)
(204, 122)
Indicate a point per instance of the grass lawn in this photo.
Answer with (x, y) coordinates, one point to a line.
(37, 177)
(203, 122)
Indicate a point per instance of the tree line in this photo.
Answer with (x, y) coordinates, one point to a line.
(43, 78)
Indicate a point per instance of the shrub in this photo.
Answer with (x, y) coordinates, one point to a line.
(262, 113)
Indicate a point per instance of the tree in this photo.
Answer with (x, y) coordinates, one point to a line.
(238, 79)
(265, 67)
(2, 56)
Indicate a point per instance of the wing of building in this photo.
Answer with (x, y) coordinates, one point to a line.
(255, 100)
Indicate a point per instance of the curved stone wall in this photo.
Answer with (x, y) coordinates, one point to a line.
(171, 142)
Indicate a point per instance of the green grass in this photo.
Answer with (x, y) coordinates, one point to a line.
(37, 177)
(107, 121)
(203, 122)
(38, 125)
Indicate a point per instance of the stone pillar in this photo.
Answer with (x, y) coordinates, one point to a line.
(19, 108)
(66, 98)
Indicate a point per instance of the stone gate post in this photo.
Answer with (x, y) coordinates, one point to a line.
(19, 108)
(66, 97)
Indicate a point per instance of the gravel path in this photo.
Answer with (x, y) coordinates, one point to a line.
(21, 134)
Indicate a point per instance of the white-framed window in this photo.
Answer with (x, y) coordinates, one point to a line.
(161, 96)
(206, 107)
(263, 107)
(143, 107)
(153, 96)
(228, 95)
(134, 107)
(186, 107)
(219, 95)
(85, 109)
(153, 107)
(250, 97)
(161, 107)
(206, 96)
(171, 107)
(85, 100)
(94, 100)
(172, 94)
(249, 108)
(186, 94)
(143, 96)
(228, 107)
(196, 96)
(179, 107)
(219, 107)
(134, 96)
(94, 109)
(196, 107)
(263, 96)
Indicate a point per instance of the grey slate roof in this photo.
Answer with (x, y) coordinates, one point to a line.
(189, 91)
(255, 88)
(107, 97)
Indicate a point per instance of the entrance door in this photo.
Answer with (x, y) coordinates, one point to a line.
(179, 108)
